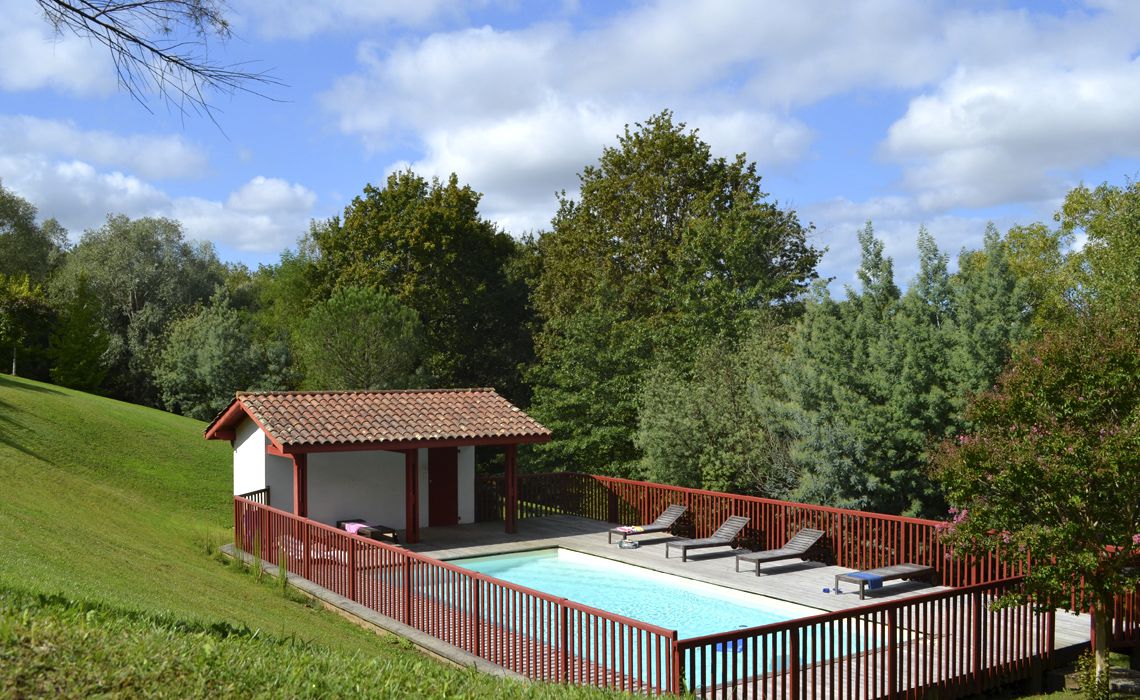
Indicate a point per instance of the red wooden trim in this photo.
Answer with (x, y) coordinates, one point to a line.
(412, 495)
(301, 485)
(224, 421)
(511, 479)
(276, 451)
(223, 434)
(400, 446)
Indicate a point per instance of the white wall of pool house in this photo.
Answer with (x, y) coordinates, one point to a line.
(365, 484)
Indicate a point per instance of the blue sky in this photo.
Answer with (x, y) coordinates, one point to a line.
(904, 113)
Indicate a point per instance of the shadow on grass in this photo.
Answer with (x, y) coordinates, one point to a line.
(7, 382)
(8, 426)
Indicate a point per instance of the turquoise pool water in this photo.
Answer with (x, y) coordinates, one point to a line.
(693, 608)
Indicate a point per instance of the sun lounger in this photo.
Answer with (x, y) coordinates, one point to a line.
(796, 548)
(663, 523)
(724, 535)
(874, 578)
(373, 531)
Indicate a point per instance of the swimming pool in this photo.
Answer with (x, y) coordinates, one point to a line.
(693, 608)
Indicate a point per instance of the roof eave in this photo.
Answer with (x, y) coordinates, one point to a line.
(400, 445)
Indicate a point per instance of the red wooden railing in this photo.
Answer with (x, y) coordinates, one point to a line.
(530, 632)
(259, 496)
(857, 539)
(951, 643)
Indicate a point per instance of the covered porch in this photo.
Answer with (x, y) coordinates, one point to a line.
(400, 460)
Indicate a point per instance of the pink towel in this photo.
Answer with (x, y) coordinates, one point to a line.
(629, 529)
(353, 527)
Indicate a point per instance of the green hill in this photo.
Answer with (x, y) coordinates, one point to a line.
(106, 509)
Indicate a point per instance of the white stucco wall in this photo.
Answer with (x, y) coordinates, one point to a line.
(279, 478)
(466, 485)
(249, 458)
(367, 485)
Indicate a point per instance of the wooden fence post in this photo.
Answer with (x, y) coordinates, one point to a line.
(476, 611)
(352, 569)
(794, 664)
(565, 643)
(675, 682)
(892, 654)
(408, 591)
(307, 553)
(976, 641)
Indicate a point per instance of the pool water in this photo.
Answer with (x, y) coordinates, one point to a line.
(693, 608)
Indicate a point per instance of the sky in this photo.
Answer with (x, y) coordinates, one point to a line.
(903, 113)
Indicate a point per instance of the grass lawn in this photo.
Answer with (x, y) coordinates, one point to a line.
(106, 510)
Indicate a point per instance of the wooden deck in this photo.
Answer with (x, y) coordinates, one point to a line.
(792, 581)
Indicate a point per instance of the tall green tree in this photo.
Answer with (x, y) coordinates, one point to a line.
(146, 275)
(28, 248)
(841, 376)
(212, 353)
(1109, 264)
(23, 309)
(79, 343)
(1052, 465)
(720, 425)
(425, 244)
(875, 377)
(669, 246)
(361, 339)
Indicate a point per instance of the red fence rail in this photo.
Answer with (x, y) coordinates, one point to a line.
(529, 632)
(857, 539)
(950, 643)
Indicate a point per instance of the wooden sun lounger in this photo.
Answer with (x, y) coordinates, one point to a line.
(663, 523)
(724, 535)
(796, 548)
(886, 573)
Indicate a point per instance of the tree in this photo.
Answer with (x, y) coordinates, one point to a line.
(160, 46)
(27, 248)
(673, 248)
(210, 354)
(79, 343)
(720, 426)
(361, 339)
(23, 308)
(1051, 466)
(1109, 263)
(145, 275)
(875, 377)
(425, 244)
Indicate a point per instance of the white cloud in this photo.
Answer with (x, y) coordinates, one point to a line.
(300, 19)
(34, 57)
(264, 215)
(1033, 101)
(517, 114)
(145, 155)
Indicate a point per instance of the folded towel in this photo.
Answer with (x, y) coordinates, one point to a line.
(873, 580)
(353, 527)
(629, 529)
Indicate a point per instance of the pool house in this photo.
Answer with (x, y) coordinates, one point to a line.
(786, 633)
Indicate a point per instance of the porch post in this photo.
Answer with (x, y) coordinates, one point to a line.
(412, 492)
(301, 485)
(511, 483)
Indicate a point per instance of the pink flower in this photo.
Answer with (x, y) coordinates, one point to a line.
(1136, 538)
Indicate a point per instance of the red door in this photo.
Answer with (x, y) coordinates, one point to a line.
(443, 486)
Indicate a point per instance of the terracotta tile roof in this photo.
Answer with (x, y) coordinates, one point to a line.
(381, 417)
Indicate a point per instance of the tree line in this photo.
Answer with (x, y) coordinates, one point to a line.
(670, 324)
